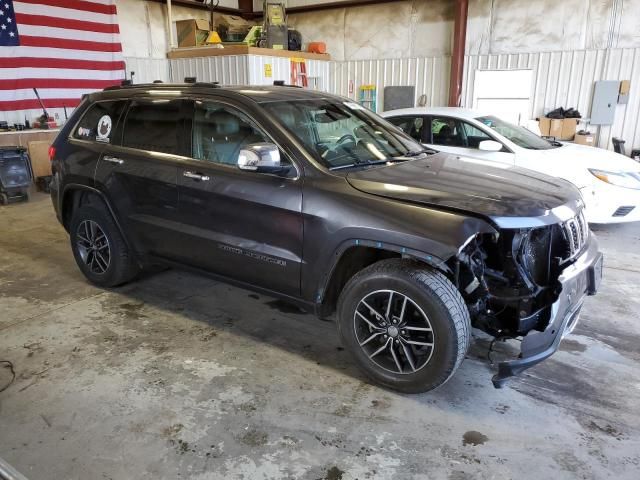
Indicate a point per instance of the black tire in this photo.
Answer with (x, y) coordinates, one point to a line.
(121, 266)
(4, 199)
(430, 294)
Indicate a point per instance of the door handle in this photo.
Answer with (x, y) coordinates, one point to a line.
(109, 158)
(196, 176)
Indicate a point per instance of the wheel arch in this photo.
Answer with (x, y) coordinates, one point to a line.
(74, 195)
(354, 255)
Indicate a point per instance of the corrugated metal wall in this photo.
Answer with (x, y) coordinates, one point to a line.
(147, 69)
(245, 70)
(560, 79)
(430, 75)
(566, 79)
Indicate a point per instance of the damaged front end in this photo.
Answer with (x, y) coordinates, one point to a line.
(529, 284)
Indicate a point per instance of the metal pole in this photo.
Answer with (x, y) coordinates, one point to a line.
(457, 56)
(170, 25)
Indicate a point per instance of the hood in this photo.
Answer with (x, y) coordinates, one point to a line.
(510, 197)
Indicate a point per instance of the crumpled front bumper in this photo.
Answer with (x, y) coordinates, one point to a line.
(580, 279)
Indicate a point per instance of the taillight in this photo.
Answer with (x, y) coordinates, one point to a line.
(52, 153)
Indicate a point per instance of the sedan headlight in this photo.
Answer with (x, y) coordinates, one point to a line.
(620, 179)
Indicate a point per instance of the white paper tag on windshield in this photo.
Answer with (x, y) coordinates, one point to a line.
(354, 106)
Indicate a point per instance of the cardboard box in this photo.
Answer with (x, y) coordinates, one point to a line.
(625, 86)
(584, 139)
(545, 125)
(561, 129)
(569, 126)
(555, 128)
(192, 33)
(39, 154)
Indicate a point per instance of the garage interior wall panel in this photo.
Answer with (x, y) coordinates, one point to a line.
(228, 70)
(566, 79)
(147, 69)
(430, 76)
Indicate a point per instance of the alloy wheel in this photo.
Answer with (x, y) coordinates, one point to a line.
(93, 247)
(393, 331)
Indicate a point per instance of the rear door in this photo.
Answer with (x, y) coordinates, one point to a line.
(412, 125)
(138, 171)
(241, 224)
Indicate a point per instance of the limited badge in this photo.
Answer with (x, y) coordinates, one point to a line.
(104, 128)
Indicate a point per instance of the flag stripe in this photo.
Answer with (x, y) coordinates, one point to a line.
(58, 12)
(56, 83)
(34, 104)
(17, 73)
(29, 41)
(39, 52)
(47, 31)
(27, 93)
(76, 5)
(24, 19)
(44, 63)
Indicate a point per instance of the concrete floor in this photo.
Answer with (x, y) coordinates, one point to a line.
(178, 376)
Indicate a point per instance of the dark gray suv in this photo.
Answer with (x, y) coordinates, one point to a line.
(312, 198)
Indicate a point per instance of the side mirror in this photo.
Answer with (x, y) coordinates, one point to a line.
(490, 146)
(261, 158)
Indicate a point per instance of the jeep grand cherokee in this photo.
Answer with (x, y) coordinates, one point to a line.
(312, 198)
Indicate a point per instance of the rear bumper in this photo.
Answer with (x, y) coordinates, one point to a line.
(579, 280)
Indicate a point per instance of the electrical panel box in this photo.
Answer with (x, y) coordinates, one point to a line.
(605, 99)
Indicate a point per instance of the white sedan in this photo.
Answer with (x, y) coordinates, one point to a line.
(609, 182)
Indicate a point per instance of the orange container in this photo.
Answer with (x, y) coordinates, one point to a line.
(317, 47)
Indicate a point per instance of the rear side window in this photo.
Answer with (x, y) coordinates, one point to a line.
(99, 123)
(153, 126)
(410, 125)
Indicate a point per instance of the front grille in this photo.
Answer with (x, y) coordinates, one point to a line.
(576, 233)
(623, 211)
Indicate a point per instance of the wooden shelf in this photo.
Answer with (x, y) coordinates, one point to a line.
(210, 51)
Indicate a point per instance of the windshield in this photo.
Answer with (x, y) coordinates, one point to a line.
(343, 134)
(518, 135)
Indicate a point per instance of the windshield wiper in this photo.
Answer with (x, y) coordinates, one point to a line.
(367, 164)
(417, 153)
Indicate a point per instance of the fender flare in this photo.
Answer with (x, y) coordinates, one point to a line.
(425, 257)
(78, 186)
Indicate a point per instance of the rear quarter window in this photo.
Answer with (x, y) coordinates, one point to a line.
(99, 122)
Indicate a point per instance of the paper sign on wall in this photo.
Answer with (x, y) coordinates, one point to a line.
(267, 70)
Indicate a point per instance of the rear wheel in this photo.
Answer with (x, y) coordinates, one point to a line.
(98, 247)
(406, 325)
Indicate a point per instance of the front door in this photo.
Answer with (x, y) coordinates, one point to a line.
(138, 172)
(240, 224)
(453, 135)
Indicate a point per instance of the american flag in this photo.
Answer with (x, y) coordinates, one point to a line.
(64, 48)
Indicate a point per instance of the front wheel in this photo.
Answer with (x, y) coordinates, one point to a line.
(406, 325)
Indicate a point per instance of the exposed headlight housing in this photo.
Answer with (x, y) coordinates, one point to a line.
(619, 179)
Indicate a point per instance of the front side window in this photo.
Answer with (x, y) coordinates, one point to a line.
(518, 135)
(99, 122)
(412, 126)
(473, 136)
(154, 126)
(220, 132)
(341, 134)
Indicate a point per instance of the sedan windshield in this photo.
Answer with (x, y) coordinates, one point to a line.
(518, 135)
(343, 134)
